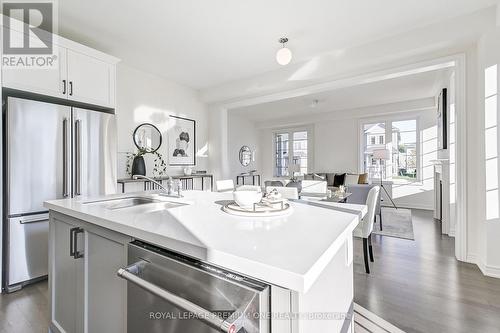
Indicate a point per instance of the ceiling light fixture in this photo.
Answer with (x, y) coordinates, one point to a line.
(284, 55)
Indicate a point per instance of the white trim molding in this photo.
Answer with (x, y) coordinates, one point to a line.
(488, 270)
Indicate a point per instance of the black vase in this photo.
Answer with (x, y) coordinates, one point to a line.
(138, 166)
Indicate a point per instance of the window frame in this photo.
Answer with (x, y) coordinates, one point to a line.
(310, 147)
(388, 120)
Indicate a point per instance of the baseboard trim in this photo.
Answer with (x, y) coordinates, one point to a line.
(487, 270)
(471, 258)
(410, 206)
(491, 271)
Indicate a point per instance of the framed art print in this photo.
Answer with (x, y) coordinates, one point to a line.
(442, 120)
(181, 141)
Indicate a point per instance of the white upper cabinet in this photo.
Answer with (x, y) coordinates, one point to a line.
(40, 81)
(90, 80)
(82, 74)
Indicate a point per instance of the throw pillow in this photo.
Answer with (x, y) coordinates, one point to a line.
(339, 179)
(330, 179)
(363, 178)
(351, 179)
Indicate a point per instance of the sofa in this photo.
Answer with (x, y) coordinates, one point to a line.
(335, 179)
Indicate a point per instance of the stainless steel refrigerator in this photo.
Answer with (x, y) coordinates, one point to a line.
(51, 152)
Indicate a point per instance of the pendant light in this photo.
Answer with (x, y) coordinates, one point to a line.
(284, 55)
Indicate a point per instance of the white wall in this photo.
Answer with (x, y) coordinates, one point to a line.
(144, 97)
(488, 229)
(336, 146)
(241, 132)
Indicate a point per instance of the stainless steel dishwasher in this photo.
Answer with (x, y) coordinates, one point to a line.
(168, 292)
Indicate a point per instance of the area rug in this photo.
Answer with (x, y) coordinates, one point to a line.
(395, 223)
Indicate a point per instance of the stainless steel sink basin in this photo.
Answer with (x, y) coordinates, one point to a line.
(120, 203)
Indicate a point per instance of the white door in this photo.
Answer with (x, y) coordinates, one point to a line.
(106, 293)
(90, 80)
(50, 82)
(66, 279)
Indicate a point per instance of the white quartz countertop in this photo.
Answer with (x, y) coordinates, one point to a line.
(289, 251)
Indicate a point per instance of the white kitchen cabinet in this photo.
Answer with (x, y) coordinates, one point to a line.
(66, 273)
(47, 82)
(105, 291)
(90, 80)
(82, 75)
(86, 294)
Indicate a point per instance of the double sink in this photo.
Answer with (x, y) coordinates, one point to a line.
(133, 201)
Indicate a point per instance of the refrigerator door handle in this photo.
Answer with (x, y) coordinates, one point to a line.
(78, 156)
(37, 220)
(65, 158)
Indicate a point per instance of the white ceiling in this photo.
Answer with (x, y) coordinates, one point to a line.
(206, 43)
(406, 88)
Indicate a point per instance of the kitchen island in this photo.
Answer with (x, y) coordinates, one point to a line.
(305, 257)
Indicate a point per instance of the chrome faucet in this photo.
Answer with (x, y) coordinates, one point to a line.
(167, 190)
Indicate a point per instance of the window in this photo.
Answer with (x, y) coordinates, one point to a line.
(281, 157)
(372, 132)
(404, 157)
(291, 147)
(400, 138)
(491, 138)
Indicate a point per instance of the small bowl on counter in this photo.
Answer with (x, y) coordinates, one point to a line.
(247, 195)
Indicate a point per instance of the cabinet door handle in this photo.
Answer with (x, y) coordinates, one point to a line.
(71, 88)
(64, 87)
(73, 243)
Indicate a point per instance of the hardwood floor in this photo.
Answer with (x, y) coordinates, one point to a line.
(26, 310)
(419, 286)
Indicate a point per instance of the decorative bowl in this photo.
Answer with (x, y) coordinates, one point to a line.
(247, 195)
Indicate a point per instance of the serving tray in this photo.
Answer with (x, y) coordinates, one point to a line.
(261, 209)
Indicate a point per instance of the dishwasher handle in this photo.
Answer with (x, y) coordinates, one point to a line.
(232, 325)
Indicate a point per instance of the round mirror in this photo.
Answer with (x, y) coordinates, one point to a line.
(245, 155)
(147, 137)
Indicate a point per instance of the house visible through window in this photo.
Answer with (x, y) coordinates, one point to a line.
(400, 140)
(291, 147)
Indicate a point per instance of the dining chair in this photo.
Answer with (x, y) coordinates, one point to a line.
(286, 192)
(225, 185)
(359, 194)
(365, 227)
